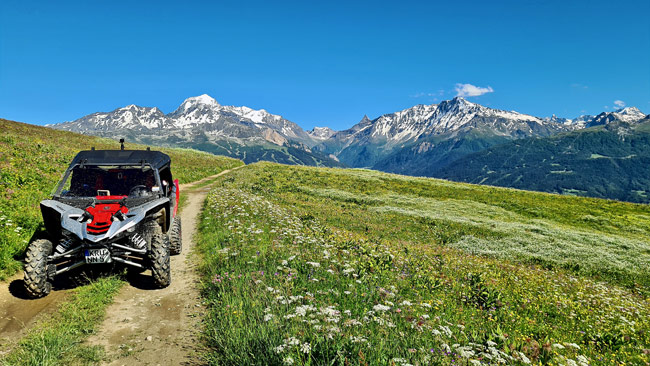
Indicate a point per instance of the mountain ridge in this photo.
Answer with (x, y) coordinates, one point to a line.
(422, 140)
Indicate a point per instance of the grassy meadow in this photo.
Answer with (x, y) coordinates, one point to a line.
(312, 266)
(32, 161)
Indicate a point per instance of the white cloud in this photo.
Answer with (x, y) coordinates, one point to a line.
(619, 103)
(469, 90)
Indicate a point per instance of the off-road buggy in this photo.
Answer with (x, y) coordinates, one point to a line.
(112, 206)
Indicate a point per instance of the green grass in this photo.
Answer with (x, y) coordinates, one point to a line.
(330, 266)
(33, 159)
(59, 340)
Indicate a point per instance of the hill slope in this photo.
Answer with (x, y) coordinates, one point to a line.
(608, 161)
(334, 266)
(33, 159)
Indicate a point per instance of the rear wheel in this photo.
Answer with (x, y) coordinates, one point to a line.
(36, 281)
(175, 237)
(159, 257)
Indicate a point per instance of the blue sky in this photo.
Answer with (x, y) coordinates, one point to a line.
(321, 63)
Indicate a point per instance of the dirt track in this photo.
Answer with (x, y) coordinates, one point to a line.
(147, 326)
(144, 326)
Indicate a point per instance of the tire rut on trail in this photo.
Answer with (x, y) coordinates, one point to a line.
(147, 326)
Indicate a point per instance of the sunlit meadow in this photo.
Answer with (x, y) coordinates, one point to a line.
(349, 267)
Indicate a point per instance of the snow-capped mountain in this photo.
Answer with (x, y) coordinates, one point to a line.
(628, 114)
(201, 114)
(417, 140)
(447, 117)
(202, 123)
(366, 143)
(130, 117)
(321, 133)
(577, 123)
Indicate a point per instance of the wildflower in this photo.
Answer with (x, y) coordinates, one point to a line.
(288, 361)
(380, 307)
(305, 348)
(523, 357)
(465, 352)
(279, 349)
(268, 317)
(582, 360)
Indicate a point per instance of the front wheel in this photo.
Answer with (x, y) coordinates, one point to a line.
(36, 281)
(159, 256)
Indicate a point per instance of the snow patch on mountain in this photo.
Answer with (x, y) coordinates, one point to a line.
(628, 114)
(321, 133)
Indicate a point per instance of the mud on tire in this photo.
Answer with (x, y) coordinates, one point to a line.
(36, 281)
(159, 258)
(176, 237)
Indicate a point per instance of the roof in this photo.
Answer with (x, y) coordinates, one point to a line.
(121, 157)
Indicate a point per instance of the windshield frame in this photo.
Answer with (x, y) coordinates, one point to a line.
(68, 172)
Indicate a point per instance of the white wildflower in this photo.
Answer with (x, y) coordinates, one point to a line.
(380, 307)
(305, 348)
(279, 349)
(572, 345)
(523, 358)
(582, 360)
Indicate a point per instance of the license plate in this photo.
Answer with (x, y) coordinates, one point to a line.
(101, 255)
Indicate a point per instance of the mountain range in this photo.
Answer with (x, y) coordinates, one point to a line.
(202, 123)
(425, 140)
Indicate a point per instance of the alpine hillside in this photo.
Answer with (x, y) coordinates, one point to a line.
(611, 160)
